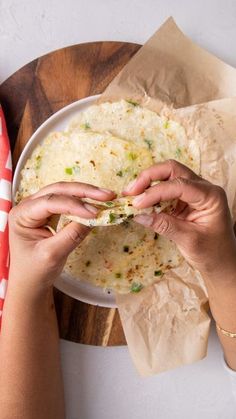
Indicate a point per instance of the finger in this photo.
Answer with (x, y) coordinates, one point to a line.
(166, 225)
(82, 190)
(187, 213)
(67, 239)
(192, 192)
(34, 212)
(179, 209)
(169, 169)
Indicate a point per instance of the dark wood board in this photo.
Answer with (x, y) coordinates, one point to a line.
(29, 97)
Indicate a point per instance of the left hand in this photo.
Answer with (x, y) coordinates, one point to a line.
(36, 256)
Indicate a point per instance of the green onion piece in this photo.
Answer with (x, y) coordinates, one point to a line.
(109, 203)
(132, 156)
(120, 173)
(149, 143)
(132, 102)
(166, 124)
(158, 273)
(69, 170)
(178, 153)
(118, 275)
(38, 161)
(86, 125)
(112, 217)
(136, 287)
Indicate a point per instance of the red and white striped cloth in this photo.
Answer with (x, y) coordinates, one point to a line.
(5, 206)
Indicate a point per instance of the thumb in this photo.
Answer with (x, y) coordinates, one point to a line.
(166, 225)
(68, 238)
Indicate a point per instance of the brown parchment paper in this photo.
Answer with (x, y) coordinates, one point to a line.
(167, 325)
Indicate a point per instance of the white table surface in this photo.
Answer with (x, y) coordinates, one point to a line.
(101, 383)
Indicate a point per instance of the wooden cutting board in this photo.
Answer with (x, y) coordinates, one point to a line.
(29, 97)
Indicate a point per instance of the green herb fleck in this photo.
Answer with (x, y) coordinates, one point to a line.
(120, 173)
(85, 126)
(130, 216)
(178, 153)
(126, 249)
(135, 175)
(112, 217)
(69, 170)
(88, 263)
(136, 287)
(132, 102)
(109, 203)
(132, 156)
(38, 161)
(149, 143)
(158, 273)
(166, 124)
(118, 275)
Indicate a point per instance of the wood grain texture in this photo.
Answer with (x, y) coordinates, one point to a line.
(29, 97)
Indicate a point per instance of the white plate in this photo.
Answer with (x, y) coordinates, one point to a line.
(77, 289)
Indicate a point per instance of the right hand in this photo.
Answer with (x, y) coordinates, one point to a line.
(201, 225)
(36, 256)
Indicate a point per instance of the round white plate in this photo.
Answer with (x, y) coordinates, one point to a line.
(59, 121)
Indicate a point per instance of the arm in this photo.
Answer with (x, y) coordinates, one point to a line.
(31, 381)
(202, 228)
(30, 372)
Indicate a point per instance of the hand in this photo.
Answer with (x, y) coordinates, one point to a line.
(36, 256)
(201, 224)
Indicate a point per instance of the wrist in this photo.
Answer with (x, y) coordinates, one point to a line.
(218, 261)
(221, 272)
(30, 280)
(222, 297)
(24, 310)
(21, 289)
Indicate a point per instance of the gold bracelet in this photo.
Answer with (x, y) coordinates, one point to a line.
(225, 332)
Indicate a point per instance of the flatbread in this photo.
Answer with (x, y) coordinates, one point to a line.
(124, 258)
(108, 145)
(100, 159)
(117, 211)
(163, 137)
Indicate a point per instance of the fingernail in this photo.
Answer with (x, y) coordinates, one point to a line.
(91, 209)
(105, 190)
(145, 220)
(130, 185)
(138, 199)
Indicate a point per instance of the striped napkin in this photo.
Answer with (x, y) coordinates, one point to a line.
(5, 206)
